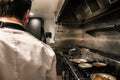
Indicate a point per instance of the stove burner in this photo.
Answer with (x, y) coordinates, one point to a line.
(88, 71)
(84, 74)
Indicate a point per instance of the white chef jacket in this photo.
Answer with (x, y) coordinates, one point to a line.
(23, 57)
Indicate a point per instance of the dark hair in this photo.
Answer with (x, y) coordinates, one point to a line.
(14, 8)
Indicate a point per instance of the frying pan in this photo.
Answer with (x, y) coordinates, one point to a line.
(78, 60)
(102, 76)
(85, 65)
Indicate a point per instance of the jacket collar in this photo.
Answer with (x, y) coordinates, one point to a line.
(11, 25)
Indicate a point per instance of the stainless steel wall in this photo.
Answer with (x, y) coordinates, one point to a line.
(107, 42)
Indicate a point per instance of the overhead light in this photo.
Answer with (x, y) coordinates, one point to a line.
(31, 14)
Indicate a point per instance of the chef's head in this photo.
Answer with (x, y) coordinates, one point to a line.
(15, 8)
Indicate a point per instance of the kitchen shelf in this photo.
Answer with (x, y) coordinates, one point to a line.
(107, 28)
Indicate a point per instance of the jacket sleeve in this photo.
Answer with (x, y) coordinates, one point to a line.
(51, 74)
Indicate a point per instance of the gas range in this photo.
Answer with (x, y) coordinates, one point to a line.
(71, 71)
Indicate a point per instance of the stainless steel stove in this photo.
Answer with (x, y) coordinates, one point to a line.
(71, 70)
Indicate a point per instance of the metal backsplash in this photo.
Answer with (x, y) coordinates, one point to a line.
(107, 42)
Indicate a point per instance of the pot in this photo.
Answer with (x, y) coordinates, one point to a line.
(75, 53)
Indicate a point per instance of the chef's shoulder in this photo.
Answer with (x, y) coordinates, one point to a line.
(39, 44)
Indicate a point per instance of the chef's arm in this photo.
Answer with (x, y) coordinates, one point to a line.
(51, 74)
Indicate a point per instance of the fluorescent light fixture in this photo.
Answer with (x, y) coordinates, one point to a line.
(31, 14)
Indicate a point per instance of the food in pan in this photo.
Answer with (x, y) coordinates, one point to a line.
(98, 78)
(102, 76)
(99, 64)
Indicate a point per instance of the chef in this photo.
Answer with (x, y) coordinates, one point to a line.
(22, 56)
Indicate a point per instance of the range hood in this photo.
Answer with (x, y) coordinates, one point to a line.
(83, 11)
